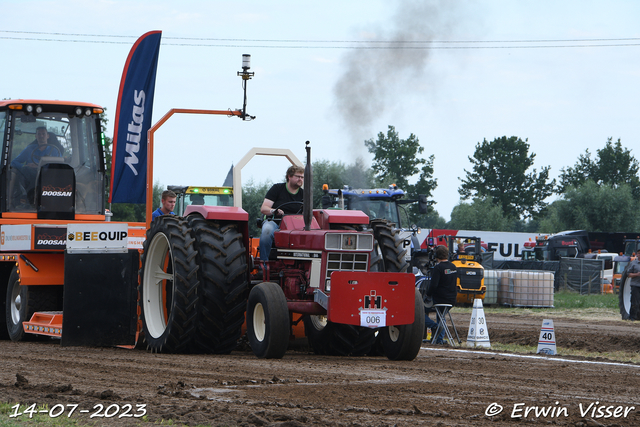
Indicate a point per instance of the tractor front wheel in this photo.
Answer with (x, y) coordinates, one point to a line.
(19, 307)
(268, 325)
(403, 342)
(22, 302)
(168, 286)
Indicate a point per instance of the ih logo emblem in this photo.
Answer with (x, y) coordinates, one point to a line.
(372, 300)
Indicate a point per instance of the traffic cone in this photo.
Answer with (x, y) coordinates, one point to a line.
(547, 340)
(478, 335)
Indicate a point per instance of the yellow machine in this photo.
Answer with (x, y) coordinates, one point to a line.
(466, 258)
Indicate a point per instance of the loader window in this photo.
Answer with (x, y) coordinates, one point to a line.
(71, 140)
(3, 123)
(620, 266)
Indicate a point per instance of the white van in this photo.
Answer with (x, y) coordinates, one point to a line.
(607, 272)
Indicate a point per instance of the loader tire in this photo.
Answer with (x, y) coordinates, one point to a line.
(403, 342)
(4, 332)
(268, 326)
(624, 296)
(169, 286)
(22, 302)
(223, 285)
(335, 339)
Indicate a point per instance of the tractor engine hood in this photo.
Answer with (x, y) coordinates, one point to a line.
(292, 234)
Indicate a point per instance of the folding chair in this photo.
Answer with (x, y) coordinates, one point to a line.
(441, 312)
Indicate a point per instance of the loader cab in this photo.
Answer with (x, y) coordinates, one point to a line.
(52, 159)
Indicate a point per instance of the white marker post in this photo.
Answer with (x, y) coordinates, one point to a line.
(478, 335)
(547, 340)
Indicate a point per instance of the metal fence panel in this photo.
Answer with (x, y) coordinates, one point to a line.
(580, 275)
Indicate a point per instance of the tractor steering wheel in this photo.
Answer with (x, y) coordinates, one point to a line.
(33, 153)
(272, 216)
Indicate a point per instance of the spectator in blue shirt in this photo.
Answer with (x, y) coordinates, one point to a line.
(168, 204)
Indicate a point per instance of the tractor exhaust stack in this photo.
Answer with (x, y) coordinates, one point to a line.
(307, 211)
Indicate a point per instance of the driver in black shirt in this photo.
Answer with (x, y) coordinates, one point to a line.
(278, 202)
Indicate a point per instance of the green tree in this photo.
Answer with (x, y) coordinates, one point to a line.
(134, 212)
(433, 220)
(409, 216)
(593, 207)
(106, 145)
(252, 198)
(530, 225)
(613, 165)
(500, 171)
(397, 160)
(337, 175)
(480, 214)
(358, 174)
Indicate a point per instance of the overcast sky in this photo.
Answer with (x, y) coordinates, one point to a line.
(563, 74)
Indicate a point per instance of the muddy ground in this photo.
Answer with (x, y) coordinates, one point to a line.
(442, 387)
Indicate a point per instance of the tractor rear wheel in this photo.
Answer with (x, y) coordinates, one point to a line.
(268, 325)
(403, 342)
(624, 296)
(223, 284)
(168, 286)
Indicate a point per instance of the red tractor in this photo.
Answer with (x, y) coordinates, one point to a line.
(349, 287)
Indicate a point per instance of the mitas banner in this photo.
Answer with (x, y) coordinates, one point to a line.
(133, 120)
